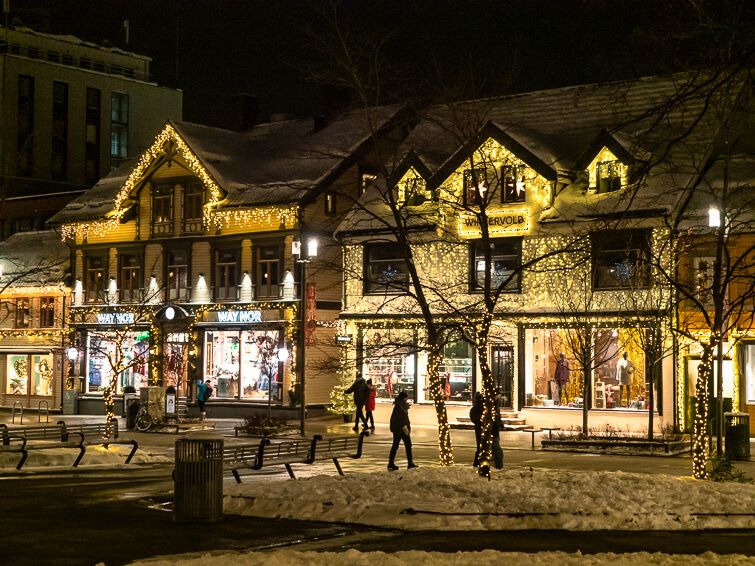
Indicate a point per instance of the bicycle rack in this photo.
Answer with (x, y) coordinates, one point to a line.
(13, 412)
(46, 409)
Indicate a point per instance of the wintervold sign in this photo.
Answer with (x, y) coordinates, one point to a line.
(501, 222)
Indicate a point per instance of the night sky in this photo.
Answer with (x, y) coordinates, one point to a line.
(428, 49)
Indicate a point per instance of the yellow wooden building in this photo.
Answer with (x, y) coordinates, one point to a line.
(184, 266)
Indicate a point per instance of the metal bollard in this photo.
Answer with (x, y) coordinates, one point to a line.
(198, 480)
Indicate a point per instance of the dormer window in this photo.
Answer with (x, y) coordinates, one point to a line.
(606, 172)
(478, 184)
(514, 183)
(412, 191)
(608, 176)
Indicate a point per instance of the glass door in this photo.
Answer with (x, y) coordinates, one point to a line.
(502, 365)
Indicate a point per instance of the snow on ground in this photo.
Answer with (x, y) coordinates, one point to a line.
(415, 557)
(434, 498)
(65, 457)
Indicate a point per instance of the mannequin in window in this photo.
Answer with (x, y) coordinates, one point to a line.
(562, 378)
(624, 371)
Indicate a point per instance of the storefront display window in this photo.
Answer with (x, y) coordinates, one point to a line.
(27, 372)
(619, 375)
(243, 364)
(389, 360)
(18, 374)
(42, 374)
(551, 380)
(617, 366)
(124, 352)
(457, 365)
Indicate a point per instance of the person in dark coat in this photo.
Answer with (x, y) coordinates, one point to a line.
(361, 392)
(475, 415)
(401, 429)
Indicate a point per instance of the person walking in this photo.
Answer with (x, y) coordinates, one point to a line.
(361, 392)
(475, 415)
(371, 404)
(401, 429)
(201, 390)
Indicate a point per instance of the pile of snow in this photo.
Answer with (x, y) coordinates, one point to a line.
(432, 498)
(483, 558)
(64, 457)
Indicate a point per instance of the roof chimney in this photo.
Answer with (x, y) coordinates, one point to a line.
(244, 108)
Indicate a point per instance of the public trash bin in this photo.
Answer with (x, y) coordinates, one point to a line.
(737, 436)
(132, 409)
(198, 480)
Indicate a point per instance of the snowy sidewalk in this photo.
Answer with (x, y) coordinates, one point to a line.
(432, 498)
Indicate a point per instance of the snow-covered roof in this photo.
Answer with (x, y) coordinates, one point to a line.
(556, 125)
(96, 202)
(373, 214)
(280, 162)
(33, 258)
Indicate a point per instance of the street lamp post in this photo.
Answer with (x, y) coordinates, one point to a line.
(303, 257)
(717, 221)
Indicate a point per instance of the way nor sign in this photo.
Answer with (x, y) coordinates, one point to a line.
(115, 318)
(239, 316)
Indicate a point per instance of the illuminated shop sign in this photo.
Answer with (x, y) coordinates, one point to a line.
(500, 223)
(239, 316)
(115, 318)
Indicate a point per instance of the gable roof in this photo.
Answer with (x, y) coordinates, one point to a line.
(275, 163)
(555, 126)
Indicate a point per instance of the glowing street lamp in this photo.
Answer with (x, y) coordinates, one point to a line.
(714, 217)
(301, 259)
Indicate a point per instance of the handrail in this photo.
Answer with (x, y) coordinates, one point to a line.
(39, 411)
(13, 412)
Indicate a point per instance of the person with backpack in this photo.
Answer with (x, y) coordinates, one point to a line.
(206, 394)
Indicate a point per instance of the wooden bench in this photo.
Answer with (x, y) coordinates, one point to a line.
(56, 436)
(257, 455)
(93, 434)
(271, 452)
(335, 447)
(241, 430)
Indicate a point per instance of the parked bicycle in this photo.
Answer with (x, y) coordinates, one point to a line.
(145, 421)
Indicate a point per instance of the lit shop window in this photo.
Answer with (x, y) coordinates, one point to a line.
(243, 364)
(27, 372)
(120, 356)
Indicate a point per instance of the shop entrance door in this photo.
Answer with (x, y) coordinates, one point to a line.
(175, 361)
(502, 366)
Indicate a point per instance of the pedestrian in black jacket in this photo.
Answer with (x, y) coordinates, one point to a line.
(475, 415)
(361, 392)
(401, 429)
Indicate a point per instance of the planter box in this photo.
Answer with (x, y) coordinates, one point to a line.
(624, 446)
